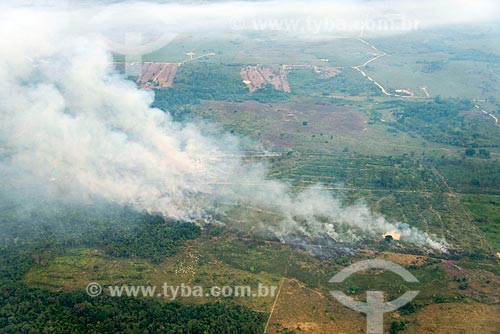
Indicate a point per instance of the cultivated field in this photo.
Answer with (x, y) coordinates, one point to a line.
(257, 77)
(151, 74)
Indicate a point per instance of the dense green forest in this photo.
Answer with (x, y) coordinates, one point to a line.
(139, 235)
(154, 240)
(194, 82)
(28, 310)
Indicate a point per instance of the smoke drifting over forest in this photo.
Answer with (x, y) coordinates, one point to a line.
(74, 130)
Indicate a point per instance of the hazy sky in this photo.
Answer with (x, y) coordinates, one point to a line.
(304, 18)
(71, 125)
(143, 27)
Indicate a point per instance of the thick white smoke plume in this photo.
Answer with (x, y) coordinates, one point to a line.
(68, 122)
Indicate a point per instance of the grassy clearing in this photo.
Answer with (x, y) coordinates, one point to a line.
(484, 211)
(199, 264)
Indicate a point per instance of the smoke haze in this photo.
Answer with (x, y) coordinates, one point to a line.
(72, 129)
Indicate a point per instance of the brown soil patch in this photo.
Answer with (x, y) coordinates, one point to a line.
(152, 74)
(155, 75)
(281, 125)
(307, 309)
(256, 77)
(456, 318)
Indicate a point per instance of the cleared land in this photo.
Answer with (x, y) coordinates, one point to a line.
(257, 77)
(152, 74)
(336, 130)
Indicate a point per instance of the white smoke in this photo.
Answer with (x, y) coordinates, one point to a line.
(68, 122)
